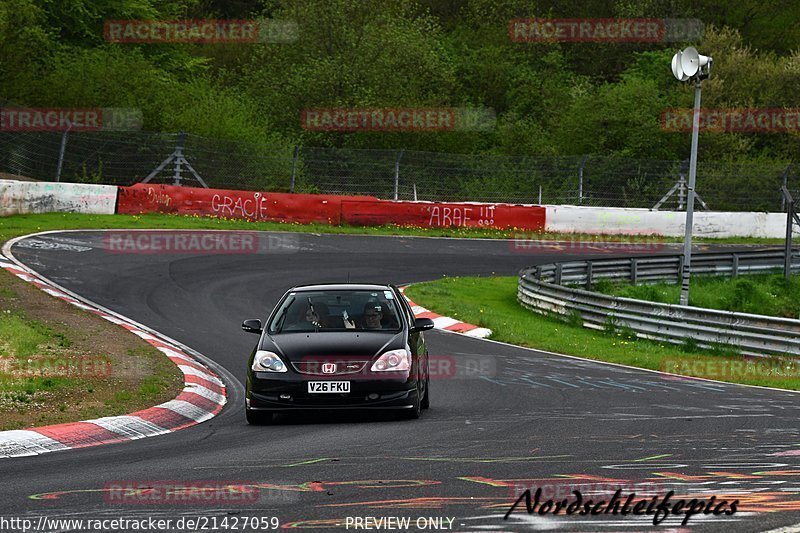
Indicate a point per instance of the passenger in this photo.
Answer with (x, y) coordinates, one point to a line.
(389, 319)
(373, 314)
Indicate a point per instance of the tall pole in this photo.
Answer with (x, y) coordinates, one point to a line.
(64, 137)
(294, 167)
(397, 174)
(687, 240)
(788, 202)
(787, 251)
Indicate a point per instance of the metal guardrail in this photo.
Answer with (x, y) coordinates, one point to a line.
(553, 289)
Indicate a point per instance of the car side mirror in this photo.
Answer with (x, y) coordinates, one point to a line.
(252, 326)
(422, 324)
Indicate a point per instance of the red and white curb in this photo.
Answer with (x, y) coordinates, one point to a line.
(203, 395)
(447, 323)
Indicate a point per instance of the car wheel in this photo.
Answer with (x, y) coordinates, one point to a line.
(258, 418)
(416, 410)
(426, 400)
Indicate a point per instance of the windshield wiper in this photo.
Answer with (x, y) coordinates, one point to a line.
(282, 316)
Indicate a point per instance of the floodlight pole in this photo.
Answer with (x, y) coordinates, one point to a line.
(687, 240)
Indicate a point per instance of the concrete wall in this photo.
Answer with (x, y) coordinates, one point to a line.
(578, 219)
(19, 197)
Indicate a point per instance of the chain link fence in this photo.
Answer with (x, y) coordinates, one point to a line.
(125, 158)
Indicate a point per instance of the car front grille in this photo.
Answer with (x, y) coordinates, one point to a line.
(315, 368)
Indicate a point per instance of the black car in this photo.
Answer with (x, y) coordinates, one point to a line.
(338, 346)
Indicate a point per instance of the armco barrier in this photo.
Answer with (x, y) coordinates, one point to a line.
(541, 289)
(21, 197)
(330, 209)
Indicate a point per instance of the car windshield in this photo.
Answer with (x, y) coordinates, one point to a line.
(357, 310)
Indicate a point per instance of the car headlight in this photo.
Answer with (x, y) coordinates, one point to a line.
(393, 360)
(265, 361)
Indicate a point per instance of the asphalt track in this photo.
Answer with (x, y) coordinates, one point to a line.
(536, 419)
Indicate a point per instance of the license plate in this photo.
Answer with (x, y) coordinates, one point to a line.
(328, 386)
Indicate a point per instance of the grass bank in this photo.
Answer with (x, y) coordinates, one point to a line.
(764, 294)
(491, 302)
(60, 364)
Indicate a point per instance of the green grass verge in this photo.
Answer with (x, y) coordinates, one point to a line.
(59, 364)
(17, 225)
(22, 343)
(763, 294)
(491, 302)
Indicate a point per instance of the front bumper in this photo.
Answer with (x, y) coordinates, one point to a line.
(266, 394)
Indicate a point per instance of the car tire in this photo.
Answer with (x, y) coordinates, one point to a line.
(259, 418)
(426, 400)
(415, 411)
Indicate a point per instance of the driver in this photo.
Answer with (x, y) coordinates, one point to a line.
(313, 315)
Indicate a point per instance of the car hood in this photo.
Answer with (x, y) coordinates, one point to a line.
(338, 344)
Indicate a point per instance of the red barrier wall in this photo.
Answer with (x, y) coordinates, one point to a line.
(440, 214)
(146, 198)
(330, 209)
